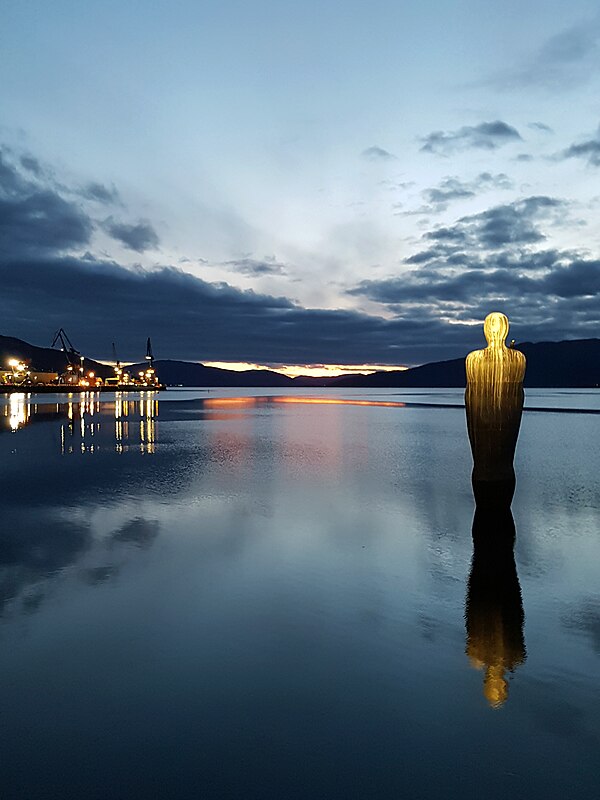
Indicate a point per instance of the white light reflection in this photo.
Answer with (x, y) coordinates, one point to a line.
(18, 411)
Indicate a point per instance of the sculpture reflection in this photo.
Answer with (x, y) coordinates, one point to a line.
(494, 405)
(494, 608)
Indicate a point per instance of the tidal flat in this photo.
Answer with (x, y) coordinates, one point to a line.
(246, 594)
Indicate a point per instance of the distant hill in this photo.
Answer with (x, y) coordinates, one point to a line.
(574, 364)
(44, 359)
(568, 364)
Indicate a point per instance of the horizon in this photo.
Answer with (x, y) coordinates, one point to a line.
(298, 370)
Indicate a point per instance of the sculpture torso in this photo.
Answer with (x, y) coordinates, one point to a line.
(494, 401)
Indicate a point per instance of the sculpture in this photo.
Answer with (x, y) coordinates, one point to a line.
(494, 404)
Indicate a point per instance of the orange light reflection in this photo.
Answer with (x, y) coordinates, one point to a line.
(240, 402)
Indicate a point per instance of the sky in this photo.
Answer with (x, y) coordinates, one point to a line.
(283, 183)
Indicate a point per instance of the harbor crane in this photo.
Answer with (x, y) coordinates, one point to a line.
(149, 355)
(117, 365)
(115, 358)
(74, 357)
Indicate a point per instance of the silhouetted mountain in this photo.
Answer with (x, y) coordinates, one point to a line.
(565, 364)
(44, 359)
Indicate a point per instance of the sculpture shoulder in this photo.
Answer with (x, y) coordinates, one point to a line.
(519, 362)
(472, 362)
(474, 357)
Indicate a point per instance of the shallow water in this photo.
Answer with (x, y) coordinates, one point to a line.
(232, 595)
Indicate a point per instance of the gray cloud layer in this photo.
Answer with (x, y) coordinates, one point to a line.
(140, 236)
(492, 259)
(485, 136)
(256, 266)
(588, 150)
(452, 188)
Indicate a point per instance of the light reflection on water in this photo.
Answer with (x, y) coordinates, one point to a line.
(82, 423)
(286, 599)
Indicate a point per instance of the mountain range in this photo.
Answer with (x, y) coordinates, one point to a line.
(574, 363)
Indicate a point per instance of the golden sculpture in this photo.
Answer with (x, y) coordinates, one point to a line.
(494, 608)
(494, 404)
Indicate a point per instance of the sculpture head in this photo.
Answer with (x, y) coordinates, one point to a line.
(495, 328)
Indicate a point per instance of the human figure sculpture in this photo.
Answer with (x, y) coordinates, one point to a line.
(494, 404)
(494, 608)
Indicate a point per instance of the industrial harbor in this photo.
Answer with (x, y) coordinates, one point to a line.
(77, 373)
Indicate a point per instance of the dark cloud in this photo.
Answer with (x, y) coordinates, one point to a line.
(492, 259)
(139, 237)
(375, 153)
(449, 189)
(452, 188)
(485, 136)
(11, 181)
(256, 266)
(515, 223)
(31, 164)
(588, 150)
(100, 193)
(547, 303)
(540, 126)
(568, 58)
(187, 317)
(35, 220)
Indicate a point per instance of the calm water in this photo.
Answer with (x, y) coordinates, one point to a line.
(211, 596)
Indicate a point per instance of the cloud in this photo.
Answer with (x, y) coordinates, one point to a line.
(186, 316)
(564, 60)
(486, 136)
(100, 193)
(375, 153)
(588, 150)
(35, 220)
(452, 188)
(540, 126)
(515, 223)
(31, 164)
(492, 257)
(139, 237)
(255, 266)
(547, 299)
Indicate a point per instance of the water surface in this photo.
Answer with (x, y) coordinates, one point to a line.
(234, 594)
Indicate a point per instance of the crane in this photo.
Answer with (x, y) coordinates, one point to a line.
(74, 357)
(149, 355)
(118, 370)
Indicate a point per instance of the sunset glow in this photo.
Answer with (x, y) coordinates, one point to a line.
(310, 370)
